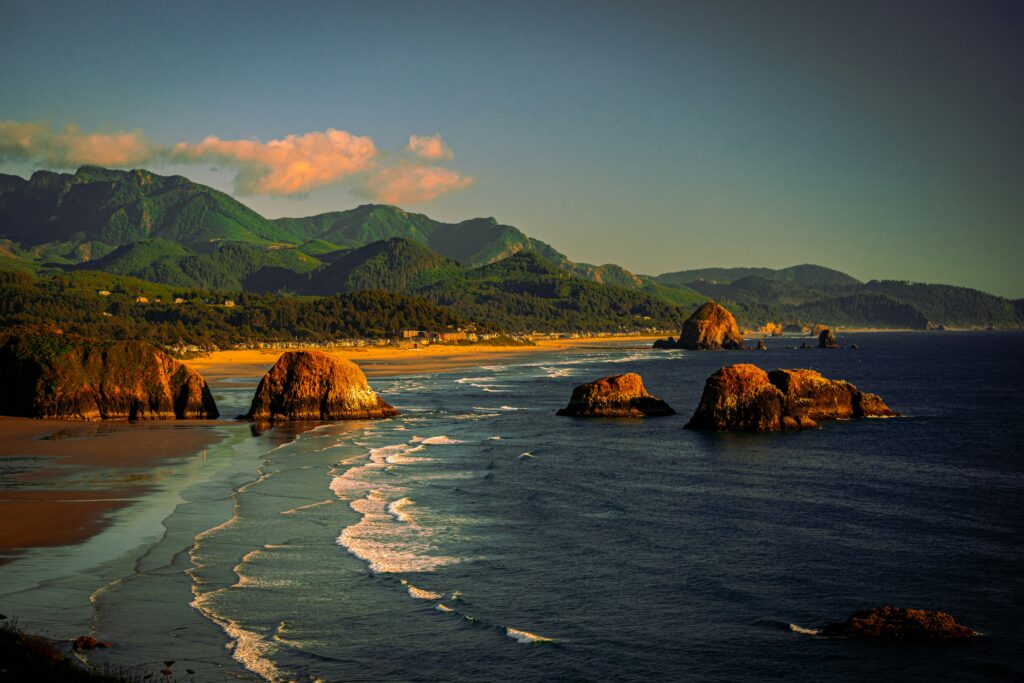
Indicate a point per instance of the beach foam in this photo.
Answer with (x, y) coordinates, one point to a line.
(421, 594)
(803, 631)
(526, 637)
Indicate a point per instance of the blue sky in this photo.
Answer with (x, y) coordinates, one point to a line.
(882, 139)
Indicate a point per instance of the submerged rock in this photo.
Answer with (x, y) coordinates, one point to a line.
(898, 622)
(827, 340)
(710, 327)
(61, 376)
(616, 396)
(745, 398)
(311, 385)
(669, 343)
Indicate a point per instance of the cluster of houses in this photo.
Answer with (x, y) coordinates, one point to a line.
(227, 303)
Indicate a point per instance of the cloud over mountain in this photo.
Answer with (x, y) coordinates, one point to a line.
(288, 166)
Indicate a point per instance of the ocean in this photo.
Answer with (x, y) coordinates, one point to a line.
(481, 537)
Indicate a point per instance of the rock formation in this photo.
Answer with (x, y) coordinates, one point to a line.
(61, 376)
(744, 397)
(616, 396)
(311, 385)
(710, 327)
(669, 343)
(817, 329)
(827, 340)
(761, 346)
(898, 622)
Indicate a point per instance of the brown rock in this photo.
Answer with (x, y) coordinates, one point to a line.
(827, 340)
(710, 327)
(817, 329)
(745, 398)
(61, 376)
(85, 643)
(898, 622)
(616, 396)
(310, 385)
(739, 398)
(761, 346)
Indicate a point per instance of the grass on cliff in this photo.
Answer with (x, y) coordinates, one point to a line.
(26, 657)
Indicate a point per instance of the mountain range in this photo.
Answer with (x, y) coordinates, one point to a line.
(172, 231)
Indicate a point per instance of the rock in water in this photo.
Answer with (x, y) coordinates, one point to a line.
(310, 385)
(827, 340)
(67, 377)
(745, 398)
(761, 346)
(898, 622)
(616, 396)
(739, 398)
(710, 327)
(669, 343)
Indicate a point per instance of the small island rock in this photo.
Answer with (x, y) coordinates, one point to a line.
(761, 346)
(710, 327)
(311, 385)
(616, 396)
(827, 340)
(898, 622)
(53, 375)
(744, 397)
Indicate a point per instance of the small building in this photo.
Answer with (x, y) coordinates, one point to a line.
(103, 292)
(228, 303)
(141, 300)
(179, 300)
(412, 334)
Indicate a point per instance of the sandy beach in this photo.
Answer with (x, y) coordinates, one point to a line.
(59, 480)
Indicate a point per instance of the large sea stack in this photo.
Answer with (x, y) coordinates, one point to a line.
(710, 327)
(745, 398)
(310, 385)
(898, 622)
(66, 377)
(827, 340)
(616, 396)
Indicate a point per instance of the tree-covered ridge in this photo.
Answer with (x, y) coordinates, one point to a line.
(394, 265)
(805, 275)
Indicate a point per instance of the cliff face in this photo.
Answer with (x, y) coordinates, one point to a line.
(898, 622)
(745, 398)
(52, 375)
(310, 385)
(616, 396)
(710, 327)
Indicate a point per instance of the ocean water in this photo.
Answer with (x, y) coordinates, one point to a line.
(480, 537)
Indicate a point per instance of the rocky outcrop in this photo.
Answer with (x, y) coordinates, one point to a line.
(669, 343)
(744, 397)
(898, 622)
(827, 340)
(616, 396)
(817, 329)
(710, 327)
(66, 377)
(761, 346)
(311, 385)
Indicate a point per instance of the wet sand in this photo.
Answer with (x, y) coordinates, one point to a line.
(47, 496)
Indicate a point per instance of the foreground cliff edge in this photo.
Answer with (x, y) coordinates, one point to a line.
(311, 385)
(615, 396)
(744, 397)
(48, 374)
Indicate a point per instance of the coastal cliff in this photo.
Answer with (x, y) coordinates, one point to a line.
(615, 396)
(744, 397)
(311, 385)
(48, 374)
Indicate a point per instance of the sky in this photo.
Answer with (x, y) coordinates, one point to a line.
(882, 139)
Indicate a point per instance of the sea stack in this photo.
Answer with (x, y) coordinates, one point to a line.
(53, 375)
(827, 340)
(898, 622)
(311, 385)
(761, 346)
(745, 398)
(710, 327)
(616, 396)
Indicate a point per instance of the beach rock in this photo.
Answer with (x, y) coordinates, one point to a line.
(898, 622)
(827, 340)
(761, 346)
(669, 343)
(745, 398)
(616, 396)
(740, 398)
(88, 643)
(311, 385)
(53, 375)
(710, 327)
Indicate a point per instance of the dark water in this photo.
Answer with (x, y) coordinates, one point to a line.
(426, 548)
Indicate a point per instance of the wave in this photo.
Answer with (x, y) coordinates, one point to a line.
(804, 631)
(474, 380)
(443, 608)
(308, 507)
(435, 440)
(396, 509)
(248, 648)
(494, 438)
(525, 636)
(555, 372)
(421, 594)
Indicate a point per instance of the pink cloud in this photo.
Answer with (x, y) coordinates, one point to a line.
(429, 147)
(32, 141)
(292, 165)
(411, 184)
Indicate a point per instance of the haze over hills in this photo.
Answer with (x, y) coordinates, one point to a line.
(172, 231)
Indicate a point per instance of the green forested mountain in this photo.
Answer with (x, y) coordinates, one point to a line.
(169, 230)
